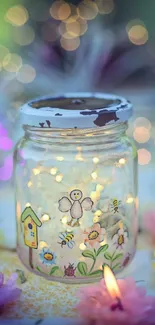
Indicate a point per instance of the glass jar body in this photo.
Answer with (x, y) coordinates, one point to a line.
(76, 195)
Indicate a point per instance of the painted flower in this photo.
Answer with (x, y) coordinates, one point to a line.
(47, 256)
(94, 235)
(8, 290)
(120, 239)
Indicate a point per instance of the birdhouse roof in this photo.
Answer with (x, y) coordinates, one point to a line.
(29, 212)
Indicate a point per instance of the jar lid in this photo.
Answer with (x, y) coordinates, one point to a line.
(76, 110)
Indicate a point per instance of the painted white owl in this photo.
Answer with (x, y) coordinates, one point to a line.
(76, 207)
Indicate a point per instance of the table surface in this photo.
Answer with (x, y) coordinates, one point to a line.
(41, 298)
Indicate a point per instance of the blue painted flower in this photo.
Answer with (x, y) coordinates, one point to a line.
(47, 256)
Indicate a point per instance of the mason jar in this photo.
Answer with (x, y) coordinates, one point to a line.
(76, 187)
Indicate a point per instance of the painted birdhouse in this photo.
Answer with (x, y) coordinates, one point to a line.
(31, 224)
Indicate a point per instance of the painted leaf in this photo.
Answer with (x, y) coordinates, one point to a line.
(116, 266)
(38, 269)
(53, 269)
(95, 251)
(82, 268)
(102, 249)
(103, 265)
(107, 256)
(97, 273)
(117, 256)
(89, 254)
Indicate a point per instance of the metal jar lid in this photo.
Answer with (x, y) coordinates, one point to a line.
(76, 110)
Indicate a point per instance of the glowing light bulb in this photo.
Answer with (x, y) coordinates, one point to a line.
(82, 246)
(96, 219)
(53, 171)
(98, 213)
(29, 184)
(42, 244)
(93, 195)
(64, 220)
(27, 205)
(59, 178)
(96, 160)
(122, 161)
(103, 243)
(79, 148)
(45, 217)
(94, 175)
(36, 171)
(60, 158)
(99, 188)
(79, 157)
(130, 200)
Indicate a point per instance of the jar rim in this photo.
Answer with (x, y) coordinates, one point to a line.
(76, 110)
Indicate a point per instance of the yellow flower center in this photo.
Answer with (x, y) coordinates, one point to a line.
(93, 235)
(121, 239)
(48, 256)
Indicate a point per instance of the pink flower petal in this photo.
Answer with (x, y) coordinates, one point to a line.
(96, 227)
(8, 291)
(6, 144)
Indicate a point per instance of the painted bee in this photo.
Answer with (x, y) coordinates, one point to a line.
(115, 205)
(66, 239)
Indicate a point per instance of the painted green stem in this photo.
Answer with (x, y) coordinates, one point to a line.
(92, 266)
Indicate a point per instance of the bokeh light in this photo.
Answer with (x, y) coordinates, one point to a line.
(60, 10)
(17, 15)
(142, 121)
(73, 28)
(24, 35)
(137, 32)
(12, 62)
(49, 32)
(141, 134)
(105, 6)
(144, 156)
(70, 44)
(26, 74)
(76, 28)
(87, 9)
(3, 52)
(64, 11)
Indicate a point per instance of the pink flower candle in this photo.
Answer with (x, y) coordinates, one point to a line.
(8, 291)
(114, 302)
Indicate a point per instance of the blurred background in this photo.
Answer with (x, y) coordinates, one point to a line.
(57, 46)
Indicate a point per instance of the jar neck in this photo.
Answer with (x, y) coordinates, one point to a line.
(108, 134)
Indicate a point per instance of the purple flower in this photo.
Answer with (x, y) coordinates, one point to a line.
(8, 290)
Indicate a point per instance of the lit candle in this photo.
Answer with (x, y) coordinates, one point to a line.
(116, 302)
(112, 288)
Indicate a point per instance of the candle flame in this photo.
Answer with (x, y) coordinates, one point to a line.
(111, 283)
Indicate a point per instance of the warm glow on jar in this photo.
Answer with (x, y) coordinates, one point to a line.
(53, 171)
(36, 171)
